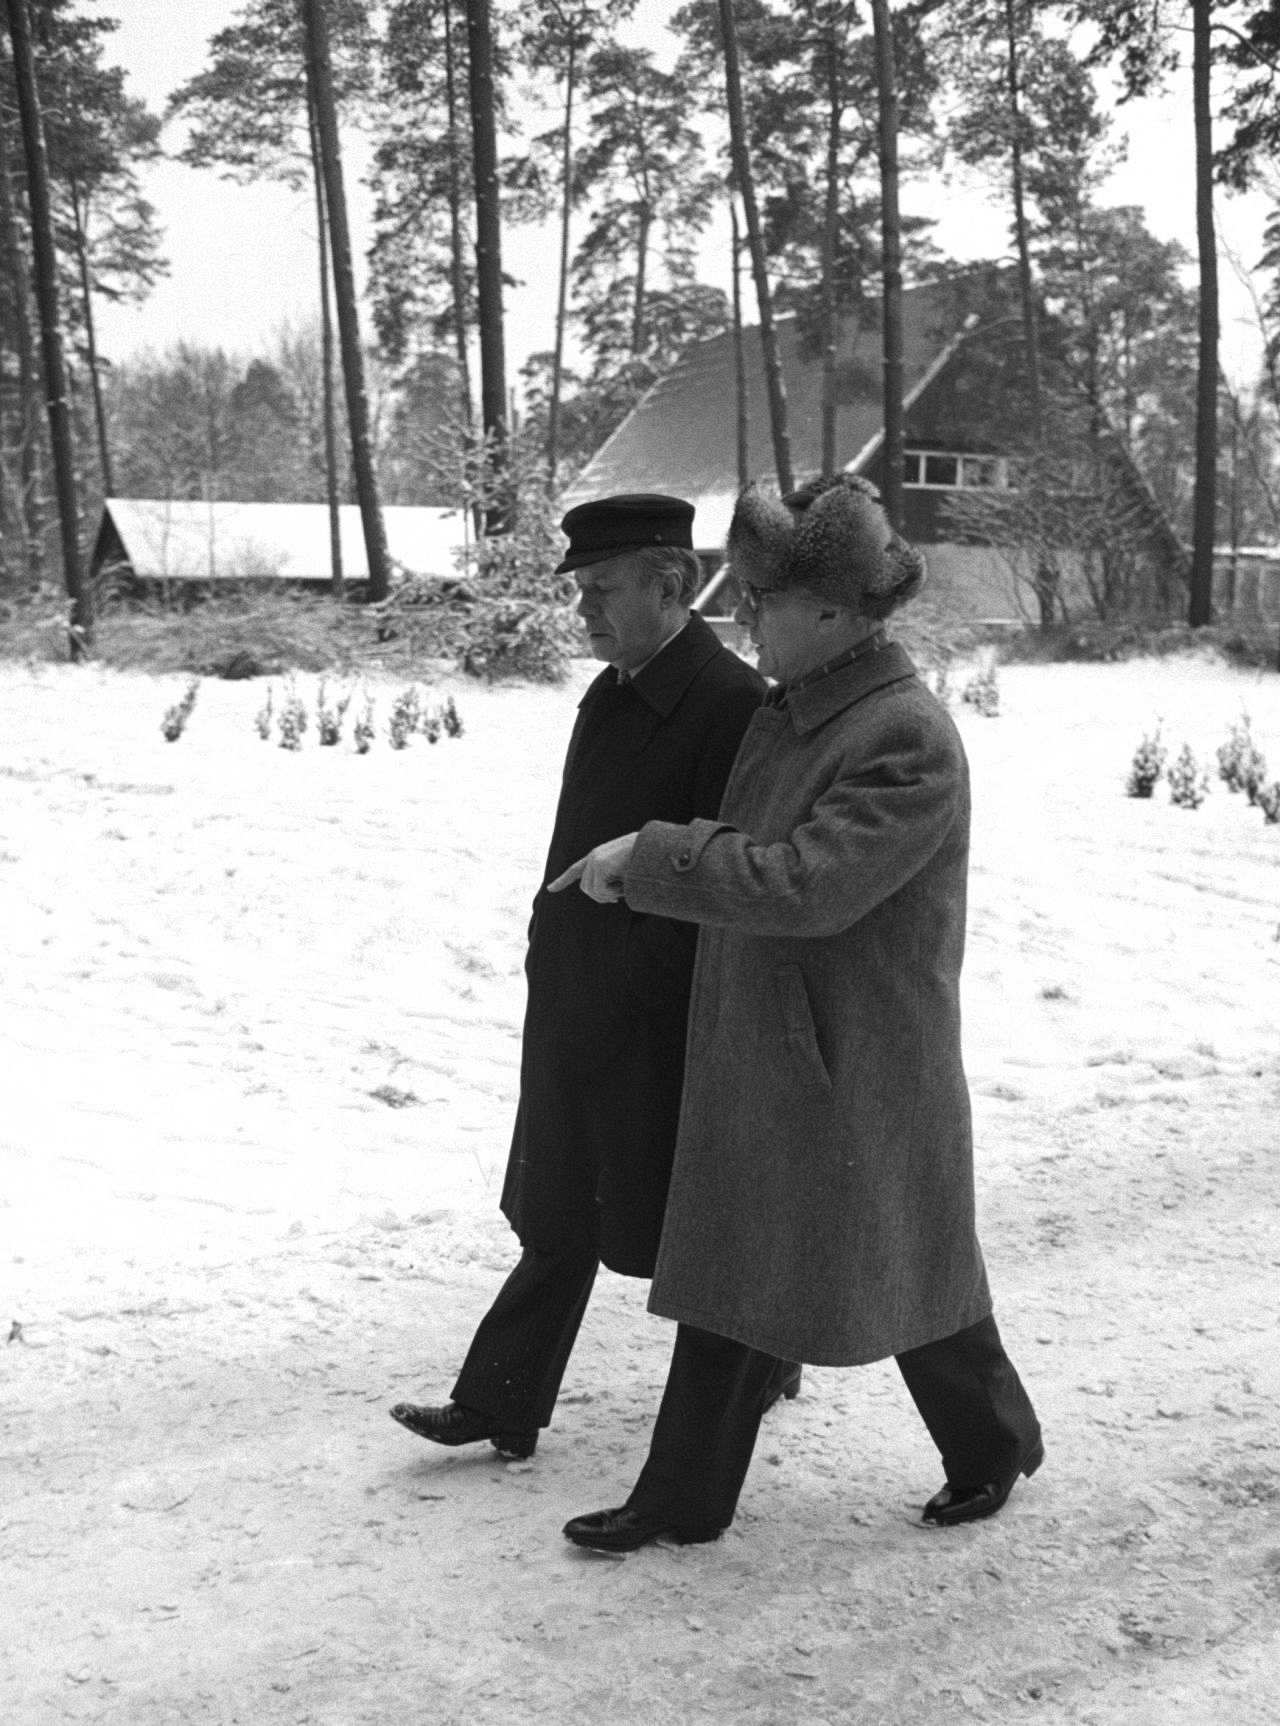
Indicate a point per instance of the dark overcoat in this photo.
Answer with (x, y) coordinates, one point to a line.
(603, 1056)
(821, 1204)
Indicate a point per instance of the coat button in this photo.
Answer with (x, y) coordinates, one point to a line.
(684, 860)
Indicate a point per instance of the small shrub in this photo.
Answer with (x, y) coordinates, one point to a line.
(429, 725)
(1188, 781)
(1147, 765)
(1241, 764)
(175, 720)
(1231, 753)
(450, 720)
(406, 716)
(292, 722)
(329, 717)
(263, 717)
(363, 731)
(1268, 800)
(983, 693)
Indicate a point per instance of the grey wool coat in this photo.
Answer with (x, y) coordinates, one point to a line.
(602, 1059)
(821, 1202)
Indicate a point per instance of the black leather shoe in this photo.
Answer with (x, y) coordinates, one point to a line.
(787, 1384)
(970, 1503)
(453, 1424)
(624, 1529)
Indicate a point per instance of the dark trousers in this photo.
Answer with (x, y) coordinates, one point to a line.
(518, 1355)
(964, 1386)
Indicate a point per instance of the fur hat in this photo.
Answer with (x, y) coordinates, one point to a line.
(832, 538)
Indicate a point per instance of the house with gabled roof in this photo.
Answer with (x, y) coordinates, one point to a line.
(967, 435)
(174, 544)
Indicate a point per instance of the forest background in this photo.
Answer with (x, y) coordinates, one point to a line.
(621, 151)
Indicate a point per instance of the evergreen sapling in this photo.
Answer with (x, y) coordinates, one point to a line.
(406, 715)
(329, 718)
(292, 722)
(263, 717)
(1188, 781)
(363, 731)
(1241, 765)
(1147, 765)
(983, 692)
(175, 720)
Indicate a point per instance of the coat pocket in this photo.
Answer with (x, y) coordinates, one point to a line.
(803, 1050)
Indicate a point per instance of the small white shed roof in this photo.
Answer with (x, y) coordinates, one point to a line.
(180, 541)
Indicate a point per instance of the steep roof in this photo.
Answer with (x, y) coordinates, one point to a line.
(681, 437)
(165, 540)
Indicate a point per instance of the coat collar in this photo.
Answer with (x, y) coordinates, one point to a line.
(662, 682)
(816, 702)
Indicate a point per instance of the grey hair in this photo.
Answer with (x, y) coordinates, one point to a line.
(656, 561)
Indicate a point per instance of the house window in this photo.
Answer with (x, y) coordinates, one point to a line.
(948, 470)
(942, 470)
(979, 470)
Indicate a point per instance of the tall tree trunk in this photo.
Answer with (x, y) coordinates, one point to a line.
(741, 420)
(562, 286)
(79, 219)
(344, 290)
(890, 263)
(1233, 504)
(774, 384)
(830, 233)
(638, 332)
(1022, 241)
(55, 377)
(1200, 607)
(1046, 576)
(30, 500)
(332, 487)
(493, 363)
(457, 270)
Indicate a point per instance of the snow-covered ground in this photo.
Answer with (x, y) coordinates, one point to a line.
(259, 1028)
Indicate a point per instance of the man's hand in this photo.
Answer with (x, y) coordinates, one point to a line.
(600, 872)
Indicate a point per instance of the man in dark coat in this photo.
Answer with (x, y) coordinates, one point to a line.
(821, 1205)
(608, 988)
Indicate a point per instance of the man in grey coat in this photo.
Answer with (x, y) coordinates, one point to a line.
(821, 1205)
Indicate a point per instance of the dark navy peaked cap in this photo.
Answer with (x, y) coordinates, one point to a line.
(609, 526)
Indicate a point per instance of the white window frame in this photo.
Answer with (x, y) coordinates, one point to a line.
(914, 468)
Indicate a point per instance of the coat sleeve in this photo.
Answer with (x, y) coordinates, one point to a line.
(876, 823)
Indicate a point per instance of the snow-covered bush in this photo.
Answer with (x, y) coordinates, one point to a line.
(1188, 781)
(292, 720)
(263, 717)
(983, 692)
(329, 716)
(406, 714)
(1241, 764)
(1147, 765)
(363, 731)
(1268, 800)
(175, 720)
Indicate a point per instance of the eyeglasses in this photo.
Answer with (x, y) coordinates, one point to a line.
(754, 597)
